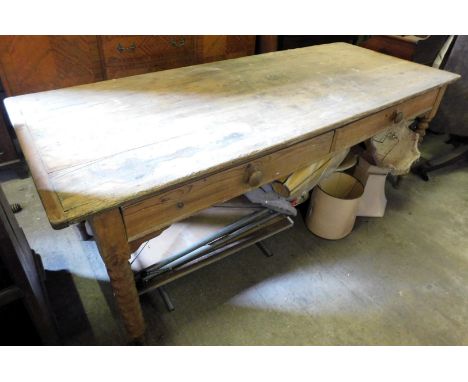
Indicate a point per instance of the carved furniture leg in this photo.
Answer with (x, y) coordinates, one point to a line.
(427, 118)
(423, 124)
(111, 238)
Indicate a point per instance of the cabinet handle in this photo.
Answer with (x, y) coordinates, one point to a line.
(130, 48)
(178, 44)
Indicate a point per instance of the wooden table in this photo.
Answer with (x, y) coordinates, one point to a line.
(134, 155)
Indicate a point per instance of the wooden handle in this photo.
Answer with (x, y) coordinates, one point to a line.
(254, 176)
(397, 116)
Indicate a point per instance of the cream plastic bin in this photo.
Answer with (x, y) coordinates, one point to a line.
(373, 201)
(334, 205)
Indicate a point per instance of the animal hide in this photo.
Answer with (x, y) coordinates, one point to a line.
(396, 148)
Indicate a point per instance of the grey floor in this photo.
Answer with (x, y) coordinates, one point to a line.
(401, 279)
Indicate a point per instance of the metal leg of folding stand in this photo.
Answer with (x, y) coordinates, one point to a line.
(166, 298)
(231, 239)
(460, 152)
(264, 249)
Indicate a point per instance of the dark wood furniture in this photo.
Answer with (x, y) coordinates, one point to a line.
(129, 55)
(36, 63)
(422, 50)
(266, 44)
(22, 290)
(392, 45)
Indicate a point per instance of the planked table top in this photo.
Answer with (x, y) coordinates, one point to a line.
(96, 146)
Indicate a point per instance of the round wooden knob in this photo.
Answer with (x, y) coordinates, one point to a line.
(397, 116)
(254, 176)
(255, 179)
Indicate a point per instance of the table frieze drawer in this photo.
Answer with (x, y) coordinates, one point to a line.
(156, 212)
(366, 128)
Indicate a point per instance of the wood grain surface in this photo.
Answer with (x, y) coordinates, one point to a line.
(155, 213)
(104, 144)
(37, 63)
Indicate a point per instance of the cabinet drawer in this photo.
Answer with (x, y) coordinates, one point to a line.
(366, 128)
(154, 213)
(130, 55)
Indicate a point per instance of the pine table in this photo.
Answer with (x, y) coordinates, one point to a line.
(132, 156)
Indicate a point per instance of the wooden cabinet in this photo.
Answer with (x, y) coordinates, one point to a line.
(36, 63)
(215, 48)
(129, 55)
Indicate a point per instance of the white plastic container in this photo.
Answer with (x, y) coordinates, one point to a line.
(373, 201)
(333, 207)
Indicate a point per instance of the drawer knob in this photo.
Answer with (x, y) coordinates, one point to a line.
(254, 176)
(397, 116)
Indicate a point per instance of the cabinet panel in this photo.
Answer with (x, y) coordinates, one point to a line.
(239, 46)
(215, 48)
(37, 63)
(130, 55)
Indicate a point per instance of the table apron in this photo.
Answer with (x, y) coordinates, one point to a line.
(370, 126)
(158, 211)
(152, 214)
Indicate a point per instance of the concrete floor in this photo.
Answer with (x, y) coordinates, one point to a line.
(398, 280)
